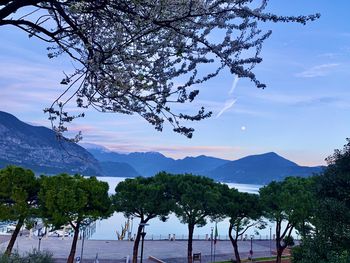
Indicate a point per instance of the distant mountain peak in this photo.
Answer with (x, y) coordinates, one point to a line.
(267, 154)
(261, 169)
(145, 154)
(271, 153)
(268, 157)
(88, 145)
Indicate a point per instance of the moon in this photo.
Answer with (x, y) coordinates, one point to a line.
(243, 128)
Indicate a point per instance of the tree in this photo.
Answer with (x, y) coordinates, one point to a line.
(288, 201)
(197, 198)
(144, 198)
(333, 195)
(18, 198)
(131, 53)
(73, 200)
(244, 212)
(330, 239)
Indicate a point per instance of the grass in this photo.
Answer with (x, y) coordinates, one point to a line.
(269, 258)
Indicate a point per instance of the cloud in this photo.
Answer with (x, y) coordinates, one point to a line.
(27, 86)
(234, 85)
(330, 55)
(335, 100)
(22, 71)
(228, 104)
(317, 71)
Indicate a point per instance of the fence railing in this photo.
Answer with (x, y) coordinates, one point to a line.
(173, 237)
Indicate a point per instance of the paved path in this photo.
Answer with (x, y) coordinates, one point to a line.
(4, 238)
(117, 251)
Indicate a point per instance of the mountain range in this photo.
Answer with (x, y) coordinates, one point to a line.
(253, 169)
(37, 148)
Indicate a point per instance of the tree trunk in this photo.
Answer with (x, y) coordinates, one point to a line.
(14, 236)
(136, 244)
(279, 254)
(74, 244)
(189, 244)
(279, 250)
(278, 241)
(234, 243)
(279, 238)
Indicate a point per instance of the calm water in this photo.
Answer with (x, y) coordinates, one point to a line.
(106, 229)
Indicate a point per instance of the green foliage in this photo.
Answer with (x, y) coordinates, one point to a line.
(145, 198)
(34, 256)
(39, 257)
(14, 258)
(333, 195)
(291, 200)
(289, 241)
(317, 251)
(242, 209)
(330, 242)
(66, 199)
(196, 198)
(18, 198)
(73, 200)
(18, 193)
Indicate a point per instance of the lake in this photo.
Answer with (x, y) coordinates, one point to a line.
(106, 229)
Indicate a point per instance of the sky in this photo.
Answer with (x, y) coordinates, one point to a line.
(303, 114)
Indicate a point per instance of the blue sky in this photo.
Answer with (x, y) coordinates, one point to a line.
(303, 114)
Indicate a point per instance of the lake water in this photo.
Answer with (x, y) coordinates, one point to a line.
(106, 229)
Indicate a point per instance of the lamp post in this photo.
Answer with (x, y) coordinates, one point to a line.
(40, 236)
(143, 234)
(82, 245)
(211, 244)
(270, 241)
(251, 248)
(130, 228)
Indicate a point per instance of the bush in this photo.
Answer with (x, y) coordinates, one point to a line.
(314, 251)
(34, 256)
(14, 258)
(39, 257)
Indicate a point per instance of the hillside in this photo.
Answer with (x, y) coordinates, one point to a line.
(37, 148)
(260, 169)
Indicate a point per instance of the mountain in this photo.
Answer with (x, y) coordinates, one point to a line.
(149, 163)
(145, 163)
(260, 169)
(116, 169)
(254, 169)
(38, 149)
(195, 165)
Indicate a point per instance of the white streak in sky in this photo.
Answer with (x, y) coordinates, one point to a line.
(317, 71)
(234, 85)
(228, 104)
